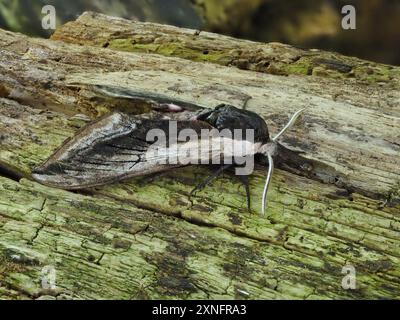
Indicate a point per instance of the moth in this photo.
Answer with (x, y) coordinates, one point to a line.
(117, 146)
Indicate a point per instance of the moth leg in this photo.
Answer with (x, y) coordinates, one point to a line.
(246, 183)
(210, 178)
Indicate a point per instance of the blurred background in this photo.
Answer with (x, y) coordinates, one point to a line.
(303, 23)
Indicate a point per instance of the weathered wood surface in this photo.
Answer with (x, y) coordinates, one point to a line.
(145, 238)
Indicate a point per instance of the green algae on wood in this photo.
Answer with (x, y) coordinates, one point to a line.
(166, 257)
(170, 49)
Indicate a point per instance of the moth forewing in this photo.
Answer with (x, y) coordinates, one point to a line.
(113, 148)
(69, 166)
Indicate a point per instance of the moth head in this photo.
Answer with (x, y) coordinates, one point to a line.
(270, 150)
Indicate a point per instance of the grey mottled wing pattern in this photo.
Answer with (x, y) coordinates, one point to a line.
(108, 150)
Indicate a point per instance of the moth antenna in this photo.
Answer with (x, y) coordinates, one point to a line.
(267, 181)
(288, 125)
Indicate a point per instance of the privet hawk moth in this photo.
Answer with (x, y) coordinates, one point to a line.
(117, 146)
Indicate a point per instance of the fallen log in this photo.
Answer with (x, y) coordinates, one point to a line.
(145, 237)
